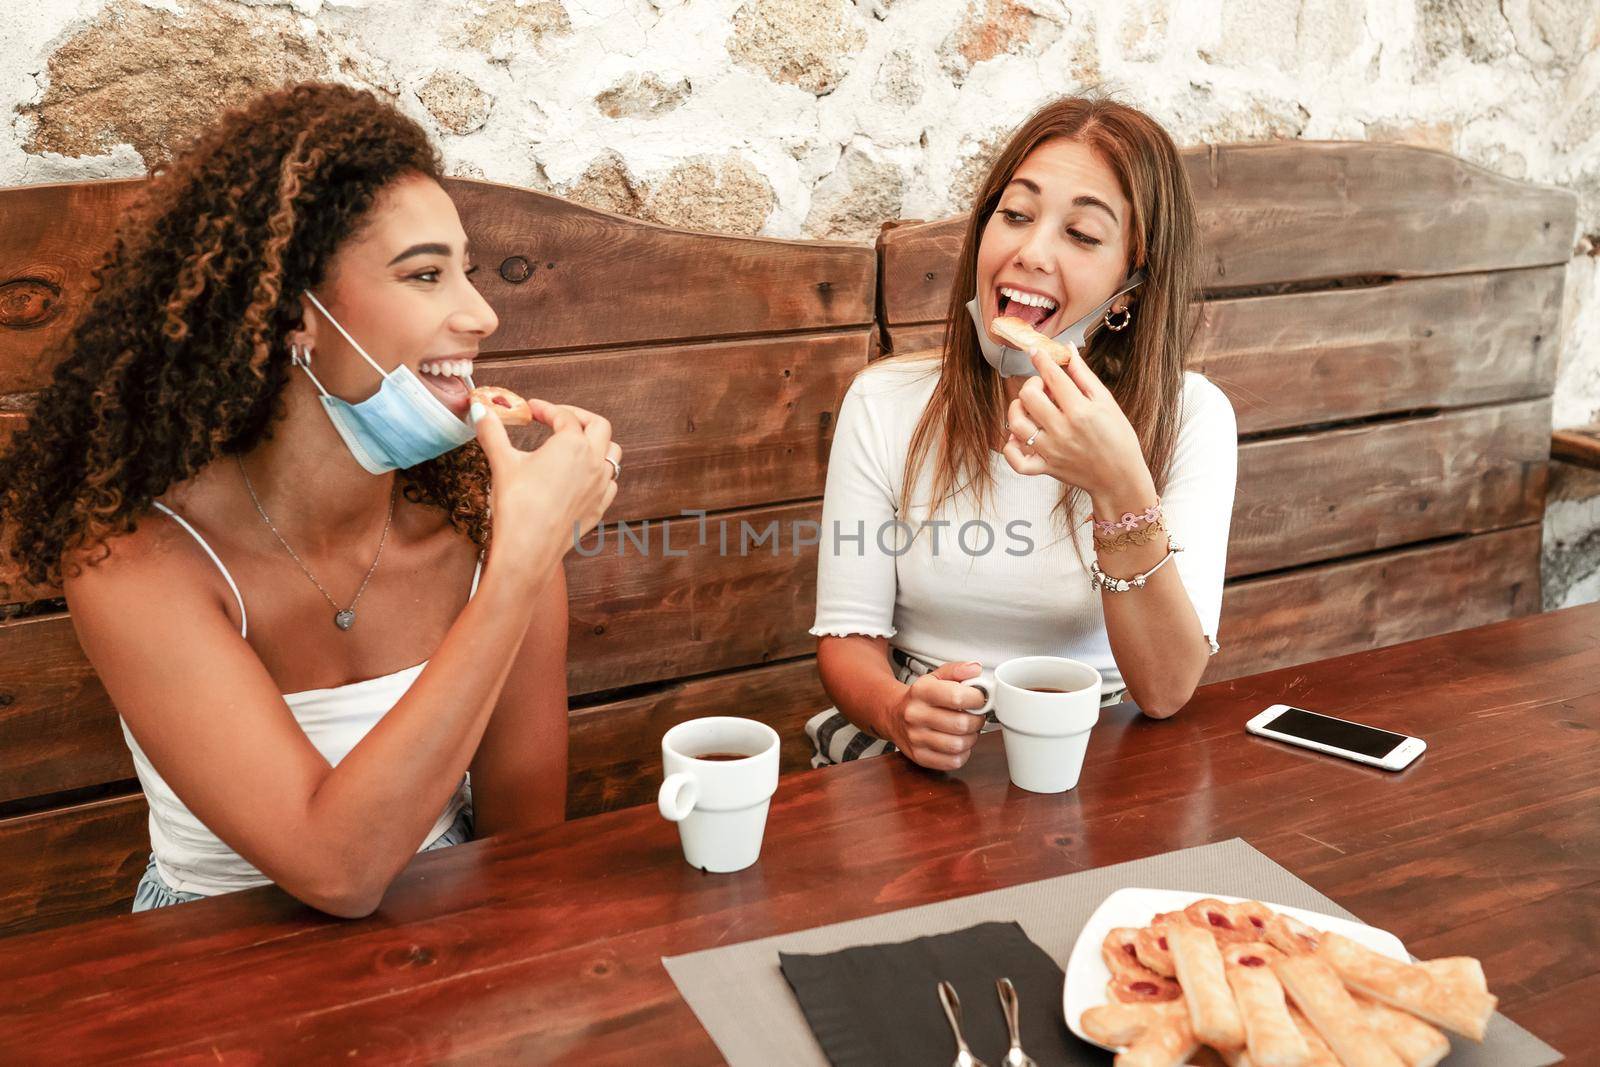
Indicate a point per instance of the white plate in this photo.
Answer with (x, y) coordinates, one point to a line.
(1087, 974)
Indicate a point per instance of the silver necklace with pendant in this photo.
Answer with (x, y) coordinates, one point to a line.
(343, 618)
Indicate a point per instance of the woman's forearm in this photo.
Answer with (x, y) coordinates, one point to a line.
(858, 679)
(1154, 632)
(371, 811)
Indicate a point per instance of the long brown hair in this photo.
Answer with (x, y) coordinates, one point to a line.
(1142, 365)
(180, 356)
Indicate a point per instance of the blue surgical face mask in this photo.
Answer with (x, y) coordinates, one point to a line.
(1013, 363)
(401, 425)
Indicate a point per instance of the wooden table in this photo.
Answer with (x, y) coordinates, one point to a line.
(532, 948)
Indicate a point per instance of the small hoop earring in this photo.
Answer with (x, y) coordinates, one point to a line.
(1122, 323)
(300, 355)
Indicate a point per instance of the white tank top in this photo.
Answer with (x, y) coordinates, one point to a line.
(192, 859)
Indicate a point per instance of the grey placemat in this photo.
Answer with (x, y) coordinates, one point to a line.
(741, 999)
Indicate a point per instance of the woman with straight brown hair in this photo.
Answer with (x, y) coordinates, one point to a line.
(984, 503)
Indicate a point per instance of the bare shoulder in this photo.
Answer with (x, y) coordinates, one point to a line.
(158, 563)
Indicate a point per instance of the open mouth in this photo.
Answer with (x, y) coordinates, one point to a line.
(1031, 308)
(450, 381)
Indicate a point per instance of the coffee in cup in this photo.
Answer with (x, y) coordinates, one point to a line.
(1046, 706)
(721, 772)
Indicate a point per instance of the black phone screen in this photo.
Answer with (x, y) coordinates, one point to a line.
(1336, 733)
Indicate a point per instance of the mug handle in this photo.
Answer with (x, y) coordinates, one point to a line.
(983, 683)
(677, 796)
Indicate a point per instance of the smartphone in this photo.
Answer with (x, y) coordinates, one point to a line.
(1337, 737)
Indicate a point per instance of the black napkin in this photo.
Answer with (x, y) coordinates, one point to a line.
(878, 1005)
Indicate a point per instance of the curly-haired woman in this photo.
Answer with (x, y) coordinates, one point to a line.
(254, 474)
(997, 459)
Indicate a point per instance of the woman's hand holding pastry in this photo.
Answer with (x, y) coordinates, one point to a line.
(933, 722)
(1079, 433)
(543, 500)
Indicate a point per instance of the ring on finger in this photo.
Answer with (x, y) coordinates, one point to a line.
(1034, 436)
(616, 468)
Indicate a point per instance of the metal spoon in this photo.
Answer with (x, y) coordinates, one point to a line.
(1015, 1057)
(952, 1011)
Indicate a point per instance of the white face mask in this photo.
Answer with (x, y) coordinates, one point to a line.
(400, 426)
(1013, 363)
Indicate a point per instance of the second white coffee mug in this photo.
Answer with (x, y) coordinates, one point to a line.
(1046, 733)
(721, 772)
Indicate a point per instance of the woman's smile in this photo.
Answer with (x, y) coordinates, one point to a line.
(447, 379)
(1028, 304)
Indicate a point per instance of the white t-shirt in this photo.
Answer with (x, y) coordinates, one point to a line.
(1010, 583)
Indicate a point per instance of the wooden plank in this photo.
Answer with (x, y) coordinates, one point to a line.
(51, 237)
(1335, 609)
(708, 427)
(614, 755)
(915, 337)
(560, 275)
(1298, 211)
(65, 866)
(1300, 359)
(1303, 212)
(58, 730)
(1320, 496)
(1306, 358)
(641, 616)
(1579, 445)
(597, 278)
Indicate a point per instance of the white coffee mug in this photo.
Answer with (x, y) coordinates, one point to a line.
(1046, 734)
(720, 805)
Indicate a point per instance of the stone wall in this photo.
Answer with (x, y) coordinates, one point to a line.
(821, 118)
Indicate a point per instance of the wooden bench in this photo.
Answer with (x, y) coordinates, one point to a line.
(1578, 445)
(1384, 319)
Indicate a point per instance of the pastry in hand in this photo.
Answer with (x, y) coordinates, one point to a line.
(507, 406)
(1021, 336)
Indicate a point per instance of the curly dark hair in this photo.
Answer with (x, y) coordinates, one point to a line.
(180, 356)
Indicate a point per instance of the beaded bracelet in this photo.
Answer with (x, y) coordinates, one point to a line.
(1099, 579)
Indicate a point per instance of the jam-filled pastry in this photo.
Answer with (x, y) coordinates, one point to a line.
(1131, 981)
(1271, 1036)
(510, 408)
(1244, 921)
(1151, 943)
